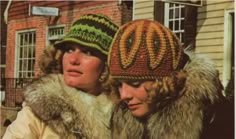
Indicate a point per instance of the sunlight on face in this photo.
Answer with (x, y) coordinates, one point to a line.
(81, 67)
(134, 95)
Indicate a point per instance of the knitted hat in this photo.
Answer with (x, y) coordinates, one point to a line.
(91, 30)
(145, 49)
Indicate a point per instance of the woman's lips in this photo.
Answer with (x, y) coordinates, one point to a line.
(133, 106)
(74, 72)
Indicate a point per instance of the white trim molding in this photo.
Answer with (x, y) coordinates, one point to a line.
(228, 40)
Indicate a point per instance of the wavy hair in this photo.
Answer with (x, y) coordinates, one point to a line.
(161, 90)
(50, 60)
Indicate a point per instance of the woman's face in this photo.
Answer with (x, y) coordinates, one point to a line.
(81, 67)
(135, 96)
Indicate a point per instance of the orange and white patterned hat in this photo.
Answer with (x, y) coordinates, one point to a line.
(144, 49)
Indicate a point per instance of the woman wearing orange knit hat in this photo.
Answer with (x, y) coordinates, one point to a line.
(164, 92)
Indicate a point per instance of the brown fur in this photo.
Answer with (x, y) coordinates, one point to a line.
(67, 110)
(50, 60)
(182, 102)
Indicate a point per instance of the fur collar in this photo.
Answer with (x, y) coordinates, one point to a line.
(67, 110)
(181, 118)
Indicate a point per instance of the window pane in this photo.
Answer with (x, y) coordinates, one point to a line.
(171, 25)
(176, 25)
(182, 25)
(21, 39)
(20, 64)
(177, 13)
(30, 39)
(182, 12)
(171, 14)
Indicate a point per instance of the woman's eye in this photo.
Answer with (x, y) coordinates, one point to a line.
(87, 52)
(135, 84)
(69, 50)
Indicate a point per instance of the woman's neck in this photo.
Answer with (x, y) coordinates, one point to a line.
(94, 91)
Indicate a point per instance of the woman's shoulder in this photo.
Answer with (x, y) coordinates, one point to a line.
(49, 84)
(43, 89)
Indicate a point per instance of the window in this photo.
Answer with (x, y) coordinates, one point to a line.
(174, 19)
(55, 33)
(181, 19)
(25, 54)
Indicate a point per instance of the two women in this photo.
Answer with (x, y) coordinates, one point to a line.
(164, 92)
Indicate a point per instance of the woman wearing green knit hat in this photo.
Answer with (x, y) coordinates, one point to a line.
(68, 102)
(163, 93)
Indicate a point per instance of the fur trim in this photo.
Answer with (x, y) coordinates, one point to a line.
(50, 60)
(67, 110)
(181, 118)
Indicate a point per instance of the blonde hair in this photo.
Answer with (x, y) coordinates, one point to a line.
(161, 89)
(167, 88)
(50, 60)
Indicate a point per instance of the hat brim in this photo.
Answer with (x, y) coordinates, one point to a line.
(59, 44)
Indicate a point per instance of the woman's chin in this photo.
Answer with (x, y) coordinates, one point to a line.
(72, 83)
(138, 114)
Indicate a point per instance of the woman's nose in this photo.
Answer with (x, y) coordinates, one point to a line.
(125, 94)
(75, 57)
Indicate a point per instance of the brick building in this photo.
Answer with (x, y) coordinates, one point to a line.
(28, 34)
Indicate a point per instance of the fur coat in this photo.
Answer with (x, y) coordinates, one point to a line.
(186, 117)
(67, 110)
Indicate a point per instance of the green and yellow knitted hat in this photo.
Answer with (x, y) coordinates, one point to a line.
(144, 49)
(91, 30)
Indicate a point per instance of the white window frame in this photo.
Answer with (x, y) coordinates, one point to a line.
(56, 37)
(17, 52)
(167, 19)
(227, 47)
